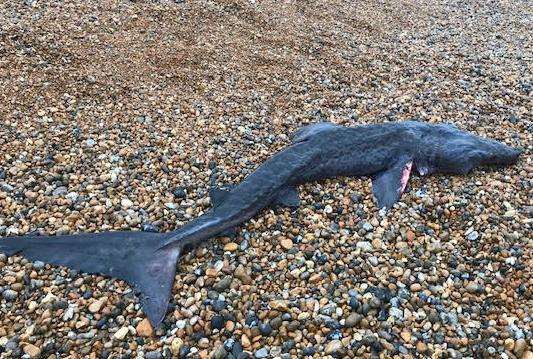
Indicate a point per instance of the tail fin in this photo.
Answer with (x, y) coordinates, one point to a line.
(132, 256)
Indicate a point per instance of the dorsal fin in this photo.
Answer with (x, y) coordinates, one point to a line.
(308, 131)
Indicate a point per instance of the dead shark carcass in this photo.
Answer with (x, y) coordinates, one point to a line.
(386, 152)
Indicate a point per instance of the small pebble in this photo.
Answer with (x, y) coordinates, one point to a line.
(261, 353)
(333, 347)
(121, 333)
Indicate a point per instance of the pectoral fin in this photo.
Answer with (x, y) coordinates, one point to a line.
(289, 197)
(389, 185)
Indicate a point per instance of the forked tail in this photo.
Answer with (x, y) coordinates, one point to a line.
(135, 257)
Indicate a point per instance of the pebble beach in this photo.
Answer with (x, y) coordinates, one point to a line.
(112, 111)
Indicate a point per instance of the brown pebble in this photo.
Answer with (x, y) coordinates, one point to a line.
(286, 243)
(144, 328)
(231, 247)
(97, 305)
(32, 351)
(415, 287)
(406, 336)
(230, 326)
(278, 305)
(508, 344)
(315, 278)
(421, 347)
(245, 341)
(520, 347)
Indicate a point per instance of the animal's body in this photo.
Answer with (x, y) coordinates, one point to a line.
(386, 152)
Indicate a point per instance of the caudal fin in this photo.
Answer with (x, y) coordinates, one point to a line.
(135, 257)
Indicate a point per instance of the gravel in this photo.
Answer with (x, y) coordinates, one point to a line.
(111, 114)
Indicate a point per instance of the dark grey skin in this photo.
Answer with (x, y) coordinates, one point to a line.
(387, 153)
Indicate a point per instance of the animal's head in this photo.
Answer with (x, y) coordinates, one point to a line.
(450, 150)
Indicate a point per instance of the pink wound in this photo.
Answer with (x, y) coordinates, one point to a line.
(405, 176)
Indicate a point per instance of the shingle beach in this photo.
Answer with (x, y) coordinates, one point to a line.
(112, 111)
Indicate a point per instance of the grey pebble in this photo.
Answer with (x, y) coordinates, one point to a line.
(276, 322)
(180, 324)
(265, 329)
(328, 309)
(6, 187)
(9, 295)
(367, 226)
(69, 314)
(244, 245)
(353, 319)
(88, 335)
(472, 236)
(261, 353)
(220, 353)
(373, 261)
(218, 305)
(365, 246)
(396, 313)
(90, 142)
(11, 345)
(223, 284)
(154, 355)
(72, 196)
(60, 191)
(38, 265)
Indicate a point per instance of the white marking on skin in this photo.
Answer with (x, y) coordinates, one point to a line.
(405, 176)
